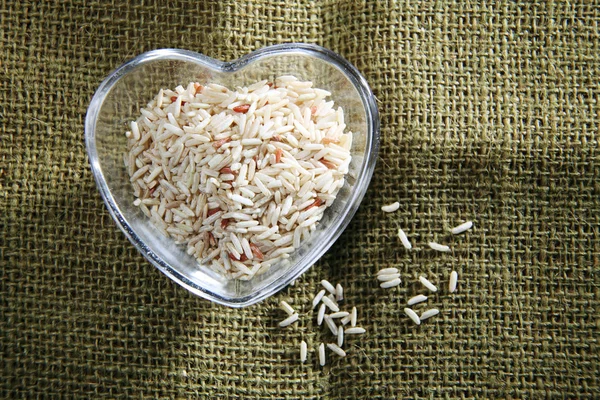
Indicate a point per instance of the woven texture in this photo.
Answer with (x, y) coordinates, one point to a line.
(489, 112)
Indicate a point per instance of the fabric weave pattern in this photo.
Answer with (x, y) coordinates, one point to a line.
(489, 111)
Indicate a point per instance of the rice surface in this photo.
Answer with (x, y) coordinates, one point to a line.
(241, 177)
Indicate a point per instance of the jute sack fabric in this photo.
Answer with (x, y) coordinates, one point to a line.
(489, 112)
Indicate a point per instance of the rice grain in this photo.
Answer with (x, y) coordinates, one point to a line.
(331, 324)
(328, 286)
(355, 331)
(286, 307)
(303, 351)
(391, 207)
(388, 271)
(416, 299)
(453, 281)
(321, 314)
(340, 314)
(404, 239)
(322, 354)
(429, 313)
(336, 349)
(329, 303)
(427, 283)
(457, 230)
(412, 315)
(390, 284)
(439, 247)
(289, 320)
(386, 278)
(317, 298)
(339, 292)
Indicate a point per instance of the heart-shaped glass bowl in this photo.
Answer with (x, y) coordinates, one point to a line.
(119, 99)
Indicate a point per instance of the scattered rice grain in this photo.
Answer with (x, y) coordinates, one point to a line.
(427, 283)
(389, 277)
(355, 331)
(339, 314)
(336, 349)
(329, 303)
(429, 313)
(404, 239)
(412, 315)
(453, 281)
(322, 354)
(390, 284)
(289, 320)
(340, 336)
(328, 286)
(331, 324)
(439, 247)
(387, 271)
(339, 292)
(286, 307)
(457, 230)
(417, 299)
(321, 314)
(391, 207)
(317, 298)
(303, 351)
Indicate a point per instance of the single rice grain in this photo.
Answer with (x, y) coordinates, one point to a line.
(404, 239)
(429, 313)
(322, 354)
(317, 298)
(321, 314)
(286, 307)
(457, 230)
(439, 247)
(331, 324)
(387, 271)
(427, 283)
(329, 303)
(390, 284)
(336, 349)
(355, 331)
(412, 315)
(353, 316)
(289, 320)
(389, 277)
(417, 299)
(339, 292)
(340, 314)
(391, 207)
(340, 336)
(453, 281)
(303, 351)
(330, 288)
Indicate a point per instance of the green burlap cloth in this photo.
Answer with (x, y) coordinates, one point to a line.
(489, 112)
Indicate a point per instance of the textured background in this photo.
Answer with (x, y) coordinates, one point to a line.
(489, 112)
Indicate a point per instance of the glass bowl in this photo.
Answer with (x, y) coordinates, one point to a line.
(130, 87)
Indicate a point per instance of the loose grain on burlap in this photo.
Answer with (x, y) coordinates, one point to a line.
(489, 112)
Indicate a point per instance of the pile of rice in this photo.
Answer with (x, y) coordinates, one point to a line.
(242, 177)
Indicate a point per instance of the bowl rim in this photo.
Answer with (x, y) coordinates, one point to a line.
(364, 174)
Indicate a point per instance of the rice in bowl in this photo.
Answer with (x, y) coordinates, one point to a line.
(241, 177)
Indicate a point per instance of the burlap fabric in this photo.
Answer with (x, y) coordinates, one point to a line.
(489, 112)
